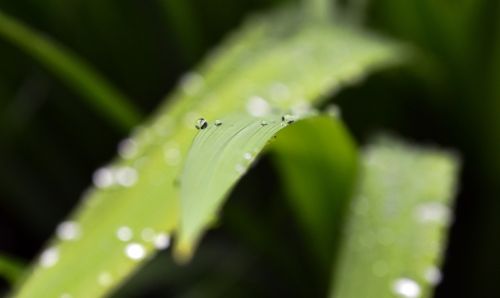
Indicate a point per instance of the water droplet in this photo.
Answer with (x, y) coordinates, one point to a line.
(263, 123)
(191, 83)
(333, 110)
(218, 123)
(103, 178)
(162, 241)
(135, 251)
(126, 176)
(433, 275)
(105, 279)
(407, 288)
(433, 212)
(240, 169)
(65, 295)
(248, 156)
(172, 154)
(288, 119)
(124, 233)
(258, 107)
(201, 124)
(49, 257)
(148, 234)
(127, 148)
(68, 230)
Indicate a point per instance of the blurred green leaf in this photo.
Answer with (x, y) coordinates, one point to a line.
(93, 88)
(397, 223)
(317, 162)
(11, 269)
(280, 62)
(181, 17)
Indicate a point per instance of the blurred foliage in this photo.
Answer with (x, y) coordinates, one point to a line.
(51, 142)
(397, 223)
(286, 57)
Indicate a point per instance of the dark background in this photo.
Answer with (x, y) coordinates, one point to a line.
(50, 141)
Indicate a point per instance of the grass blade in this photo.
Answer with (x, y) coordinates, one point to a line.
(219, 156)
(396, 229)
(73, 71)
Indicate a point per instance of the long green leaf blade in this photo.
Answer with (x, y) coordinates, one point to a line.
(219, 156)
(72, 70)
(397, 224)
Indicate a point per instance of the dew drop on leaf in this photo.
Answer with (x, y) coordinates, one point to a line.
(433, 212)
(288, 119)
(124, 233)
(126, 176)
(103, 178)
(68, 230)
(406, 288)
(240, 169)
(135, 251)
(248, 156)
(162, 241)
(49, 257)
(433, 275)
(105, 279)
(218, 123)
(127, 148)
(201, 124)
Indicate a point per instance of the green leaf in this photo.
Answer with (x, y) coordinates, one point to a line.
(318, 180)
(219, 156)
(11, 269)
(277, 62)
(93, 88)
(397, 224)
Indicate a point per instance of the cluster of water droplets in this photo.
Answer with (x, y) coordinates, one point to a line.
(106, 177)
(137, 251)
(242, 167)
(426, 215)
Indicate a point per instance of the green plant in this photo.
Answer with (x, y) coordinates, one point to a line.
(270, 74)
